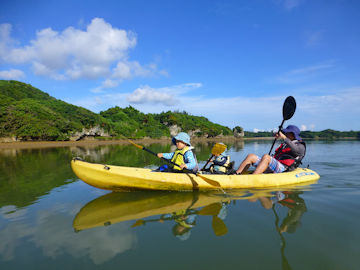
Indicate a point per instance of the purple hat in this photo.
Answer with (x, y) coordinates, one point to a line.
(294, 130)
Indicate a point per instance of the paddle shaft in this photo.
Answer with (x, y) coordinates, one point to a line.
(280, 127)
(207, 162)
(153, 153)
(211, 182)
(149, 151)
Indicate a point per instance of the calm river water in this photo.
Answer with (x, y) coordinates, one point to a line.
(49, 219)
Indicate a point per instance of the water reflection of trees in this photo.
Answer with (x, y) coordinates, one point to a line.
(27, 174)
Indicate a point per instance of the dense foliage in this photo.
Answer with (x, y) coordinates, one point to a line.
(329, 134)
(250, 134)
(130, 122)
(201, 125)
(30, 114)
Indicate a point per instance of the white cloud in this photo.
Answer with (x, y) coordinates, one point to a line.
(5, 40)
(11, 74)
(108, 83)
(127, 70)
(304, 74)
(147, 94)
(143, 97)
(313, 38)
(166, 96)
(303, 127)
(290, 4)
(77, 54)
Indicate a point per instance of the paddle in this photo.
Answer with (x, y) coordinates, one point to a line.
(211, 182)
(218, 225)
(217, 149)
(285, 263)
(151, 152)
(289, 108)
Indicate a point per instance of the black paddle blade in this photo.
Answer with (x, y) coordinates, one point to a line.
(289, 107)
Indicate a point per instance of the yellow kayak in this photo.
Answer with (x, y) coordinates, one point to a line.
(118, 178)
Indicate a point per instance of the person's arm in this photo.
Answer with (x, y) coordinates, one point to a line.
(296, 147)
(189, 159)
(166, 155)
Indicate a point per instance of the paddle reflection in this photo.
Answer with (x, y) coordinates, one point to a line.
(295, 208)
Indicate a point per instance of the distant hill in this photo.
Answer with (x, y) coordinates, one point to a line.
(27, 113)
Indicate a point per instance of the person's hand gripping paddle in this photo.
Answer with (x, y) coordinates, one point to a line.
(289, 108)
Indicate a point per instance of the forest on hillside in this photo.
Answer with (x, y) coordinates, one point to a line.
(28, 113)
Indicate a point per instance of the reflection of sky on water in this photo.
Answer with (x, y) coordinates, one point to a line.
(38, 212)
(10, 212)
(48, 226)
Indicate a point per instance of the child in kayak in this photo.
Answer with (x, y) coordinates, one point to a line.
(287, 155)
(220, 163)
(183, 155)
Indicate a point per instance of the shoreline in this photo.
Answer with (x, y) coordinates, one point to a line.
(145, 141)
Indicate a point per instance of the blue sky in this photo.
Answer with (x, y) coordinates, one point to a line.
(232, 61)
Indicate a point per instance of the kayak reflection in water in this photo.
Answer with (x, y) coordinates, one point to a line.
(185, 220)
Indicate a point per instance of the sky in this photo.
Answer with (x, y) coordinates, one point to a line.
(233, 62)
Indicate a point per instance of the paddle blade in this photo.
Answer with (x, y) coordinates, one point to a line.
(136, 145)
(289, 107)
(209, 181)
(219, 226)
(139, 222)
(218, 149)
(210, 210)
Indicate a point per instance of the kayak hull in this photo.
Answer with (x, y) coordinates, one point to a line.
(119, 178)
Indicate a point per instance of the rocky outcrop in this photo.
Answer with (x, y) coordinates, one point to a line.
(238, 132)
(174, 129)
(8, 139)
(89, 133)
(193, 132)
